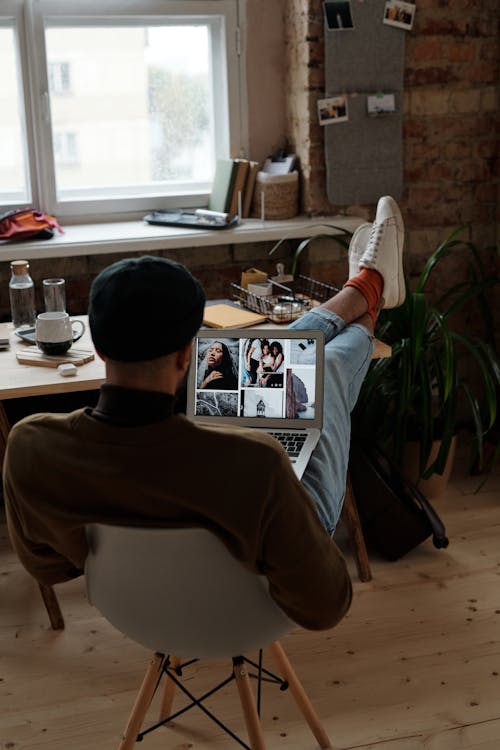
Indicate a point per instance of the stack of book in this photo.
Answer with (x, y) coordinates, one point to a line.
(233, 186)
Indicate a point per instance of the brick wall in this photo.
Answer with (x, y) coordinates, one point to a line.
(451, 119)
(215, 266)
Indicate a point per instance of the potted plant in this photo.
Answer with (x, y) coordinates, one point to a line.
(437, 369)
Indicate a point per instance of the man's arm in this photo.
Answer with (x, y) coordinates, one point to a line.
(39, 559)
(307, 573)
(31, 538)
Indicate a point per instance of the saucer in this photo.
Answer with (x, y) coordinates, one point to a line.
(27, 334)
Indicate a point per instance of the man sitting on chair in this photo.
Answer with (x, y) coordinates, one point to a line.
(133, 461)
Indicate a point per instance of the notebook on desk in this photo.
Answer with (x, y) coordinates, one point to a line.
(267, 379)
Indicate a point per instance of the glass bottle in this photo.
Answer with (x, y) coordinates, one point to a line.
(22, 295)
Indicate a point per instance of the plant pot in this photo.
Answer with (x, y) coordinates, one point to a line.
(435, 486)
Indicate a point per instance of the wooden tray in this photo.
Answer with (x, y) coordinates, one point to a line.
(35, 357)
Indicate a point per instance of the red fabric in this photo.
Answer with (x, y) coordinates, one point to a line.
(371, 284)
(25, 224)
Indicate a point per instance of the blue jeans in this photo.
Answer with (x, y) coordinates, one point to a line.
(348, 353)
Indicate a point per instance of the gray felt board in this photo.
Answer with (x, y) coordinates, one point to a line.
(364, 155)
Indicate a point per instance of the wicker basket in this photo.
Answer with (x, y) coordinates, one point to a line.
(309, 290)
(276, 196)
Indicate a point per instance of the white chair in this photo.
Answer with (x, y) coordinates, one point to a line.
(182, 594)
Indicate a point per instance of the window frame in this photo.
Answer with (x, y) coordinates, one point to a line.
(30, 18)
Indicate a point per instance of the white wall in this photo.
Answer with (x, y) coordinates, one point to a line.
(266, 71)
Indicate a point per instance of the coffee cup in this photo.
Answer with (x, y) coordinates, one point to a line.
(54, 332)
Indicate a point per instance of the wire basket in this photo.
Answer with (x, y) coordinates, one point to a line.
(309, 291)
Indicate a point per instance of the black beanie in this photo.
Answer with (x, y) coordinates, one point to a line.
(144, 308)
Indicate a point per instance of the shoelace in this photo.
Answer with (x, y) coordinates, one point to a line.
(370, 254)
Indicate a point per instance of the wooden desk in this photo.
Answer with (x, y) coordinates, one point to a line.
(18, 381)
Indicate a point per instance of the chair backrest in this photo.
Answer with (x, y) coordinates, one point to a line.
(179, 591)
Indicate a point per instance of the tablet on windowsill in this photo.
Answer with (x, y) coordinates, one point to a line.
(190, 221)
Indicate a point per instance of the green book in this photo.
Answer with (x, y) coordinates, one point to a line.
(222, 188)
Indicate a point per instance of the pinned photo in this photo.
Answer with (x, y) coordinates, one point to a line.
(333, 110)
(380, 104)
(397, 13)
(338, 15)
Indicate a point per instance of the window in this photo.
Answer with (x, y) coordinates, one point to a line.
(65, 148)
(14, 183)
(59, 78)
(136, 102)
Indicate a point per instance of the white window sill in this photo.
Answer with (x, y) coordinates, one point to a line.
(138, 236)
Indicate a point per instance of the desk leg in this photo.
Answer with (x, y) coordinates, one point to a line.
(351, 517)
(48, 594)
(4, 432)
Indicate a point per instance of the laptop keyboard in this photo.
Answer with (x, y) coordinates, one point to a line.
(292, 442)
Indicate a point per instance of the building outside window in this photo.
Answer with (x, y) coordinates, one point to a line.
(136, 104)
(65, 149)
(59, 78)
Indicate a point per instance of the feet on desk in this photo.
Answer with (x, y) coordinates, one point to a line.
(379, 246)
(357, 246)
(384, 250)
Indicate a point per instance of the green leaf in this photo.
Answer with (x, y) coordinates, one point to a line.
(441, 251)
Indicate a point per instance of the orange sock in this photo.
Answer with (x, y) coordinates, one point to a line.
(371, 284)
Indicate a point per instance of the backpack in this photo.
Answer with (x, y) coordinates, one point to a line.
(394, 515)
(27, 224)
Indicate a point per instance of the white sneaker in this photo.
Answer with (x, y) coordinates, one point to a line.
(357, 247)
(384, 251)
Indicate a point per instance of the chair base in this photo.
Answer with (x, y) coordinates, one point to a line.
(171, 668)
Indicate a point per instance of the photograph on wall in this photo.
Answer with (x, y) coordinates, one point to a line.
(338, 15)
(333, 110)
(397, 13)
(380, 104)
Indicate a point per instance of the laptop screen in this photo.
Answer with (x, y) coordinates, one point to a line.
(260, 378)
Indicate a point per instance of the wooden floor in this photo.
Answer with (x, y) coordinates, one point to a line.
(416, 663)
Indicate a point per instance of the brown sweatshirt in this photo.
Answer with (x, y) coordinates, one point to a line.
(63, 471)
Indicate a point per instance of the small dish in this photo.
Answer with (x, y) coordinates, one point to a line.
(27, 334)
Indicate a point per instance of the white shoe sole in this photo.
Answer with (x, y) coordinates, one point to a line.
(388, 213)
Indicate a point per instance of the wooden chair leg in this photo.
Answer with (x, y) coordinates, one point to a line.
(142, 702)
(252, 721)
(168, 692)
(351, 517)
(4, 432)
(52, 606)
(299, 694)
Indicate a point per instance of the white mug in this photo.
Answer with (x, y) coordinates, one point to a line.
(54, 332)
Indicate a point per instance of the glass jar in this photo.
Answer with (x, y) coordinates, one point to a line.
(22, 295)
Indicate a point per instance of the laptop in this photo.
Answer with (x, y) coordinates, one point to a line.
(265, 379)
